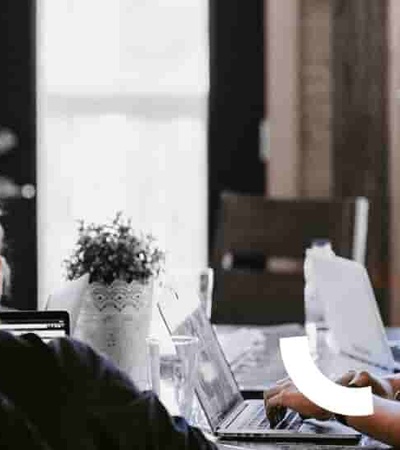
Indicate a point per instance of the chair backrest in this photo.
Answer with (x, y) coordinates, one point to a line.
(259, 253)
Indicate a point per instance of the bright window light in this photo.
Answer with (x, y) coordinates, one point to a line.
(122, 124)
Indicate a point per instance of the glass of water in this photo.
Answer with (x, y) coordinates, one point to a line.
(184, 372)
(174, 376)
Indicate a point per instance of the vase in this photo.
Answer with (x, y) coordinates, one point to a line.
(115, 320)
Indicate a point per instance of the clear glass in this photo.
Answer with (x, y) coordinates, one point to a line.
(184, 372)
(174, 376)
(153, 364)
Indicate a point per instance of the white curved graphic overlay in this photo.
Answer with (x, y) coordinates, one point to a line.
(317, 387)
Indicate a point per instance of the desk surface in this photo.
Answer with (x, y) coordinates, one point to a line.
(263, 366)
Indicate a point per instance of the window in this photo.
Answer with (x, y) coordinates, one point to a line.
(122, 124)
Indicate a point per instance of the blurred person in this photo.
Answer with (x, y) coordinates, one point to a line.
(64, 395)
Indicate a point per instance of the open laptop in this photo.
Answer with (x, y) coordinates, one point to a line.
(352, 313)
(46, 324)
(69, 297)
(229, 415)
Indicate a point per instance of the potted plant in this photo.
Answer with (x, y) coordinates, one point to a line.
(117, 307)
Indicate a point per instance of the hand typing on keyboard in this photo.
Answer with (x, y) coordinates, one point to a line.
(383, 425)
(275, 414)
(286, 395)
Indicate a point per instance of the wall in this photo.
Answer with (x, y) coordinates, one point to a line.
(315, 98)
(299, 97)
(283, 179)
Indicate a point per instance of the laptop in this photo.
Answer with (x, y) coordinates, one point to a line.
(229, 415)
(69, 297)
(46, 324)
(352, 313)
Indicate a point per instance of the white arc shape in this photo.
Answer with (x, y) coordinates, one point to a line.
(317, 387)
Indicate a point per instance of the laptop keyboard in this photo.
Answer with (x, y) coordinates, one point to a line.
(256, 419)
(253, 417)
(259, 421)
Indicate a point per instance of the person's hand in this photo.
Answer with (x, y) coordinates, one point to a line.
(285, 395)
(380, 386)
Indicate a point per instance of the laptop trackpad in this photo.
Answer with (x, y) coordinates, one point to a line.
(326, 427)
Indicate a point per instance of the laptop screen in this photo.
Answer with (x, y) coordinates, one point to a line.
(46, 324)
(216, 389)
(344, 288)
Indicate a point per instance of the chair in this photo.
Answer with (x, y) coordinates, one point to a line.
(259, 251)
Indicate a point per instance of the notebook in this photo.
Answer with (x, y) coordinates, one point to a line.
(46, 324)
(344, 288)
(229, 415)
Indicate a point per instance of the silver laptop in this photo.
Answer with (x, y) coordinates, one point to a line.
(352, 313)
(229, 415)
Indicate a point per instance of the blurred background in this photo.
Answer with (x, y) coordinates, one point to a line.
(154, 108)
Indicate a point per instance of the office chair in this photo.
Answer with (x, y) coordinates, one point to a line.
(259, 253)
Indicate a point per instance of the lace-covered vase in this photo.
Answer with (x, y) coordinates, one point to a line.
(115, 320)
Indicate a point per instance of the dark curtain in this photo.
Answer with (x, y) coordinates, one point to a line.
(18, 114)
(236, 100)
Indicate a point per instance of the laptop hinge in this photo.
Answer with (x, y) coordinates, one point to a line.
(232, 414)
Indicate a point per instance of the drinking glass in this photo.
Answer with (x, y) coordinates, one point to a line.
(173, 376)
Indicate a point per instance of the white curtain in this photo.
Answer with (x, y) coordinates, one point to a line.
(122, 124)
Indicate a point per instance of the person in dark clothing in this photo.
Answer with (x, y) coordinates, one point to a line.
(64, 395)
